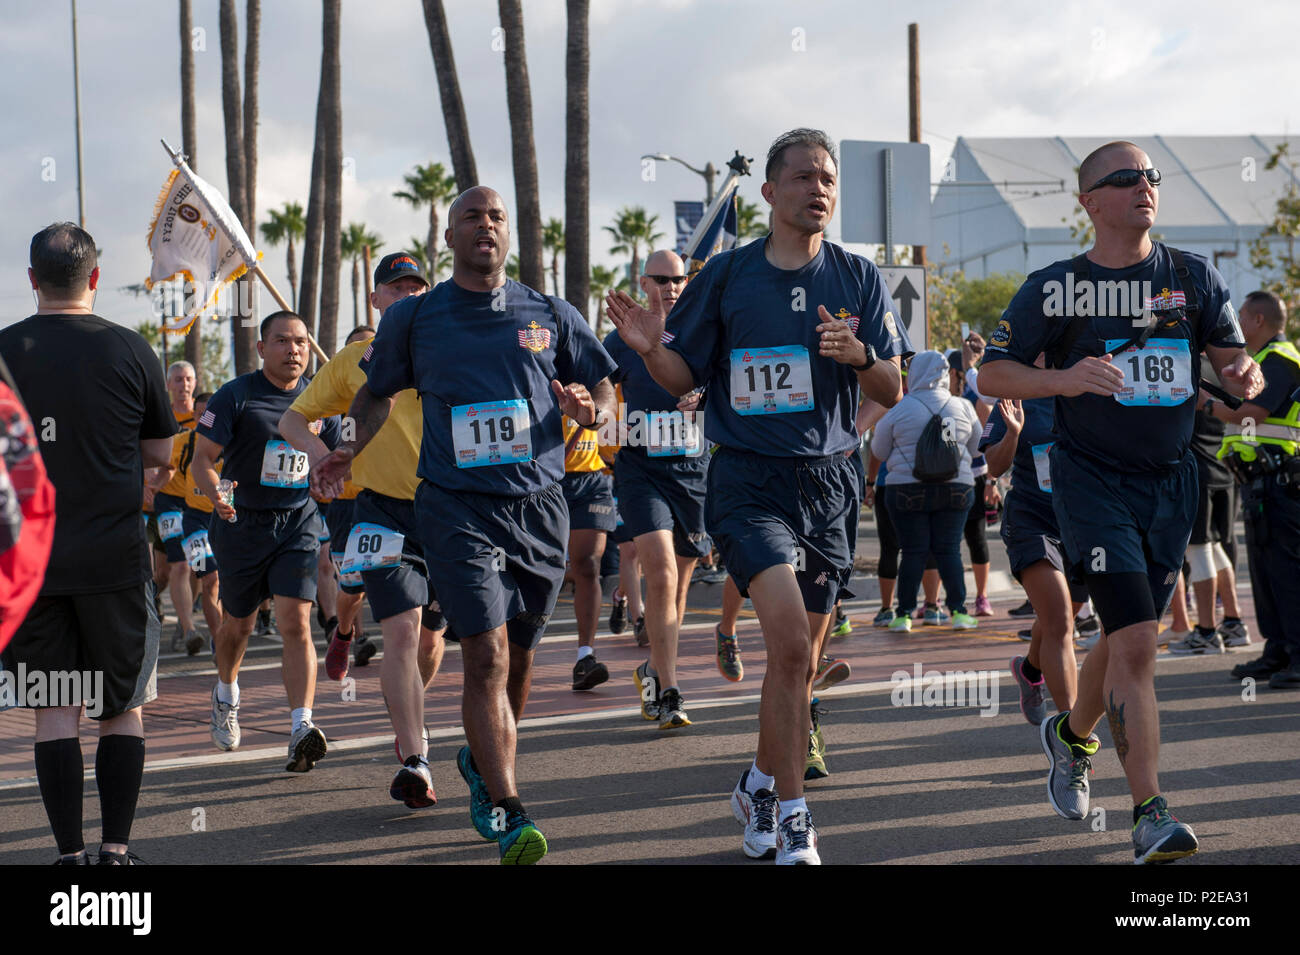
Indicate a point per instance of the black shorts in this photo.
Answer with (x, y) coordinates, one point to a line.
(494, 560)
(764, 511)
(1216, 513)
(1113, 523)
(339, 519)
(169, 515)
(267, 554)
(1031, 536)
(664, 494)
(197, 542)
(619, 535)
(98, 648)
(590, 498)
(393, 590)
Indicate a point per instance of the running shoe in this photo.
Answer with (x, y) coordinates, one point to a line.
(480, 802)
(1234, 633)
(1090, 641)
(178, 638)
(363, 649)
(796, 840)
(81, 858)
(901, 624)
(757, 813)
(963, 621)
(1199, 642)
(1026, 609)
(884, 618)
(648, 687)
(618, 616)
(193, 643)
(671, 714)
(225, 723)
(413, 784)
(639, 631)
(729, 664)
(1085, 627)
(1158, 836)
(1171, 636)
(589, 672)
(1025, 635)
(935, 616)
(125, 857)
(397, 745)
(1033, 705)
(815, 765)
(830, 671)
(306, 746)
(1288, 679)
(982, 607)
(521, 842)
(263, 623)
(842, 625)
(1067, 779)
(1261, 669)
(336, 656)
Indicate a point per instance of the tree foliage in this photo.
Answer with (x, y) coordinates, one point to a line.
(1273, 253)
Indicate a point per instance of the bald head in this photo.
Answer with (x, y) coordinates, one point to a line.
(663, 281)
(474, 195)
(664, 262)
(478, 233)
(1100, 161)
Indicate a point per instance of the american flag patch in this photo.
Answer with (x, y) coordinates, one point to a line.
(988, 429)
(534, 337)
(370, 350)
(208, 419)
(1166, 300)
(666, 337)
(853, 321)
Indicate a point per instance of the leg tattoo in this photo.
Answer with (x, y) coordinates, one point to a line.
(1117, 731)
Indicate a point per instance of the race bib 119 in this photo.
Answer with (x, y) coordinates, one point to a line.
(491, 433)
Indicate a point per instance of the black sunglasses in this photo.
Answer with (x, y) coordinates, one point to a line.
(1124, 178)
(665, 279)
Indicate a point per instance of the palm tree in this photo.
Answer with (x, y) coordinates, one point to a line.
(193, 341)
(311, 245)
(519, 105)
(751, 220)
(453, 107)
(416, 250)
(577, 165)
(245, 336)
(442, 262)
(332, 235)
(512, 267)
(431, 184)
(287, 225)
(553, 242)
(353, 246)
(600, 282)
(631, 228)
(253, 14)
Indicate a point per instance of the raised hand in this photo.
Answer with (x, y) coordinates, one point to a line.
(640, 329)
(328, 475)
(1091, 376)
(838, 341)
(576, 402)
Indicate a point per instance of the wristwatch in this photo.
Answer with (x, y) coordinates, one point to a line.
(871, 360)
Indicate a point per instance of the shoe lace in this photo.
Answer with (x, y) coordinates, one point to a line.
(764, 813)
(1080, 767)
(817, 711)
(729, 649)
(796, 837)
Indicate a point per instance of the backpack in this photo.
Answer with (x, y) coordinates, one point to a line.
(938, 459)
(26, 512)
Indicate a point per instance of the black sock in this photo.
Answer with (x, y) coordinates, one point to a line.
(510, 804)
(1137, 810)
(1029, 671)
(1066, 735)
(1232, 620)
(119, 766)
(1205, 631)
(59, 773)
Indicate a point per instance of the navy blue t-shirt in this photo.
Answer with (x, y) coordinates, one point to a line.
(1031, 479)
(1147, 427)
(649, 407)
(755, 346)
(244, 418)
(483, 363)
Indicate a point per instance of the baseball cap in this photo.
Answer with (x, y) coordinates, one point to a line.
(396, 265)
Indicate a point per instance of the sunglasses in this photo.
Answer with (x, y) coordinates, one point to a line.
(1124, 178)
(665, 279)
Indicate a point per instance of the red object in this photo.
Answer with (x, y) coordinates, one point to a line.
(26, 515)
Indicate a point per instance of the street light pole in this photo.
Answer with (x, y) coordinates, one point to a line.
(76, 86)
(709, 172)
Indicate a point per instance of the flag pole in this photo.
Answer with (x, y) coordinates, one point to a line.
(253, 267)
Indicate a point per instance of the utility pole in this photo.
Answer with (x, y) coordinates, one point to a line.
(914, 109)
(76, 85)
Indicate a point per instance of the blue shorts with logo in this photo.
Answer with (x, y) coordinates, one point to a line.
(763, 511)
(338, 515)
(664, 494)
(266, 553)
(494, 560)
(394, 590)
(1115, 523)
(1031, 535)
(197, 522)
(164, 504)
(590, 497)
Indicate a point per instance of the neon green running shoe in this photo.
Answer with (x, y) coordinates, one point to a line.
(521, 842)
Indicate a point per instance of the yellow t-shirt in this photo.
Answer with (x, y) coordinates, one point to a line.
(176, 485)
(194, 498)
(583, 454)
(387, 464)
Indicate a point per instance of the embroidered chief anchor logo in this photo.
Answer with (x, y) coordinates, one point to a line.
(534, 337)
(851, 320)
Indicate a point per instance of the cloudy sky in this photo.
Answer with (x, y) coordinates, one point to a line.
(695, 78)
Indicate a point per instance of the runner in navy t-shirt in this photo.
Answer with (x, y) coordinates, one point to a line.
(267, 541)
(488, 357)
(784, 333)
(1123, 480)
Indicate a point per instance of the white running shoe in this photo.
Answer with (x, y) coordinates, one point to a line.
(796, 840)
(225, 723)
(757, 813)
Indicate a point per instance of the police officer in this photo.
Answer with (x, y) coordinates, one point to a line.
(1261, 449)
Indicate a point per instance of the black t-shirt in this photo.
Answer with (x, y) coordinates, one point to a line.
(1281, 377)
(244, 418)
(94, 391)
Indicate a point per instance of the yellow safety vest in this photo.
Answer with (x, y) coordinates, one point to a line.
(1282, 433)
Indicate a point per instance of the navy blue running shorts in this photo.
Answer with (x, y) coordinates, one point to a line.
(590, 497)
(338, 515)
(269, 553)
(393, 590)
(166, 504)
(664, 494)
(1031, 536)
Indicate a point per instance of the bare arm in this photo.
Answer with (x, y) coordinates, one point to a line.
(1237, 370)
(296, 429)
(203, 467)
(641, 331)
(1000, 456)
(882, 383)
(669, 370)
(368, 413)
(1011, 379)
